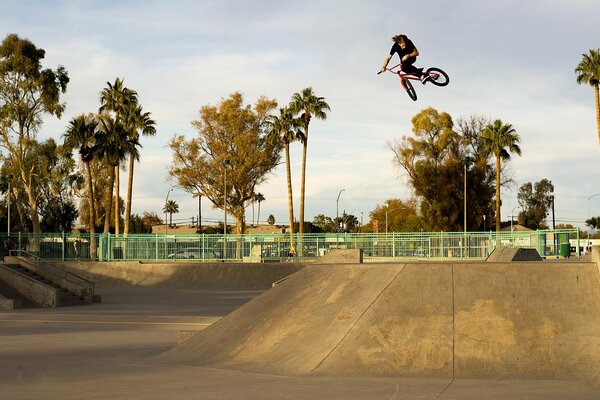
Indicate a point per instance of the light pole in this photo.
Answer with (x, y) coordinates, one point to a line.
(588, 204)
(225, 165)
(166, 201)
(337, 204)
(511, 217)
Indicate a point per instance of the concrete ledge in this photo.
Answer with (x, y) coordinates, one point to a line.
(37, 292)
(342, 256)
(9, 304)
(508, 254)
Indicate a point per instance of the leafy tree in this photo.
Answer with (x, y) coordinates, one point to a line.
(437, 161)
(308, 105)
(271, 220)
(114, 144)
(431, 162)
(282, 130)
(120, 104)
(593, 222)
(535, 201)
(402, 216)
(259, 198)
(324, 223)
(231, 132)
(27, 92)
(150, 218)
(80, 134)
(499, 139)
(139, 225)
(137, 121)
(588, 72)
(171, 207)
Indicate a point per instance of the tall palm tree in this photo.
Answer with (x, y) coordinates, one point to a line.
(114, 144)
(588, 71)
(171, 207)
(118, 99)
(283, 129)
(498, 139)
(81, 134)
(259, 197)
(136, 121)
(309, 105)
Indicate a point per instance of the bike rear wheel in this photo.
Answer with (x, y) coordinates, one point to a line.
(407, 85)
(437, 76)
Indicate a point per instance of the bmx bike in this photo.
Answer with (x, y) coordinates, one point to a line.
(434, 75)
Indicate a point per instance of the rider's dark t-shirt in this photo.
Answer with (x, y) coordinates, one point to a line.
(410, 47)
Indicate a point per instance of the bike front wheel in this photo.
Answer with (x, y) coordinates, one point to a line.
(437, 76)
(407, 85)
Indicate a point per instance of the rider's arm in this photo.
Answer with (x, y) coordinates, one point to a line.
(386, 62)
(414, 53)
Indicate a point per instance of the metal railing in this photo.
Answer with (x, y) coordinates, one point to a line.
(53, 269)
(275, 247)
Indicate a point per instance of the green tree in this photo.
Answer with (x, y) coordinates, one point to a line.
(402, 216)
(150, 218)
(535, 201)
(271, 220)
(56, 202)
(120, 103)
(499, 139)
(234, 132)
(80, 134)
(432, 163)
(114, 145)
(324, 223)
(27, 92)
(308, 105)
(137, 121)
(259, 198)
(171, 207)
(282, 130)
(588, 72)
(593, 222)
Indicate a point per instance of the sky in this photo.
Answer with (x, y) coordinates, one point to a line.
(507, 60)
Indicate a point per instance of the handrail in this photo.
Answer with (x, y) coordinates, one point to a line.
(40, 262)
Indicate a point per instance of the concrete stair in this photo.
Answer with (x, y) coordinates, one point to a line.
(65, 297)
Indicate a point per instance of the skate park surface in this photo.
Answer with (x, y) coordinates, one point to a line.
(420, 330)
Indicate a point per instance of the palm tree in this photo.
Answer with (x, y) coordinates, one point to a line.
(499, 139)
(119, 100)
(171, 207)
(114, 144)
(588, 71)
(136, 121)
(81, 134)
(259, 197)
(282, 129)
(309, 105)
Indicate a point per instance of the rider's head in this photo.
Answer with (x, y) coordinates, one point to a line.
(400, 39)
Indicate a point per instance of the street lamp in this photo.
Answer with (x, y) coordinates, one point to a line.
(225, 165)
(588, 204)
(166, 201)
(511, 218)
(337, 204)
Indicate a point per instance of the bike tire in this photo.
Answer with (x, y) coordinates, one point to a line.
(407, 85)
(437, 77)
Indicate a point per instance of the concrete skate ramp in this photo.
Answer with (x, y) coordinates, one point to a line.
(495, 320)
(182, 275)
(508, 254)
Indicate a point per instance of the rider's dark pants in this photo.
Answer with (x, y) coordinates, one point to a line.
(408, 67)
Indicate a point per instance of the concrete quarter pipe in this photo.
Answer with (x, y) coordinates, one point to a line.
(528, 320)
